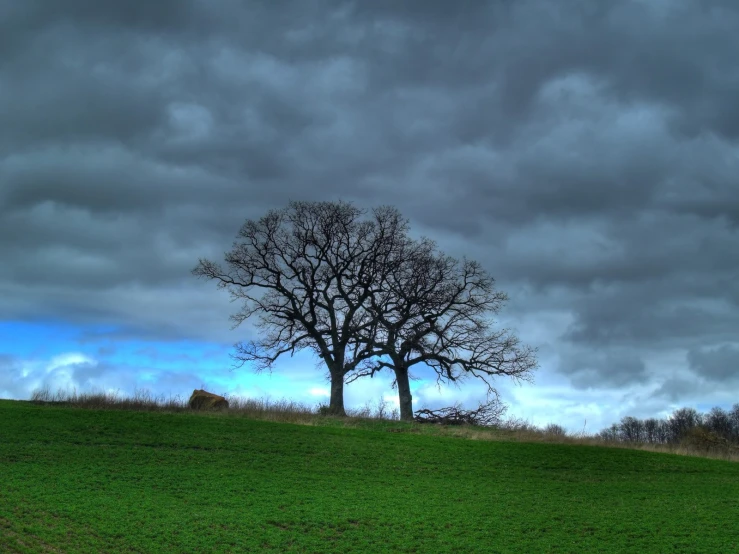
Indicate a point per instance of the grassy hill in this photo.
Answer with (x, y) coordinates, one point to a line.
(84, 480)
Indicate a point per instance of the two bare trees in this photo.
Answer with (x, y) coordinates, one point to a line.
(364, 296)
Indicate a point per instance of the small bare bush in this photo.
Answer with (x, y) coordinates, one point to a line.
(486, 415)
(365, 412)
(554, 430)
(41, 395)
(378, 411)
(518, 425)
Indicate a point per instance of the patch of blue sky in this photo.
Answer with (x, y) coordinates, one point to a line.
(171, 356)
(39, 340)
(36, 340)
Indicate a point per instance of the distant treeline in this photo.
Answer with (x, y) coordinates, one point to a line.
(718, 424)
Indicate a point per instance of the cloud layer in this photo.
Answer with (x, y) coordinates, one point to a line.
(585, 152)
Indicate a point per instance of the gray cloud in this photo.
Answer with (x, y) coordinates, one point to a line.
(583, 151)
(677, 389)
(593, 369)
(718, 364)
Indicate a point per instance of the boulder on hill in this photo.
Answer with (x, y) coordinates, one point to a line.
(204, 400)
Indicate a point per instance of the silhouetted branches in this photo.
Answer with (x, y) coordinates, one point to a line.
(363, 296)
(486, 414)
(306, 272)
(437, 311)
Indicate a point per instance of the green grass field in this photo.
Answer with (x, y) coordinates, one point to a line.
(84, 480)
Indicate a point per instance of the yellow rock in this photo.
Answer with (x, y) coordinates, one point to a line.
(204, 400)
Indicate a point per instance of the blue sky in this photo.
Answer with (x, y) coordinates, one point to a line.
(585, 153)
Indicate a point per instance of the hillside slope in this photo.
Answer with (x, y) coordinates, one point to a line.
(79, 480)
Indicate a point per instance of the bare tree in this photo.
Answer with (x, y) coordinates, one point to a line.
(307, 273)
(719, 422)
(681, 421)
(434, 310)
(734, 419)
(632, 430)
(611, 434)
(655, 431)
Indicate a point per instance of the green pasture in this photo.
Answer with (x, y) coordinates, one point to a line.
(93, 481)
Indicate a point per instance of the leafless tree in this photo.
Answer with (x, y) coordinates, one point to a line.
(681, 421)
(307, 273)
(734, 419)
(656, 431)
(632, 430)
(719, 422)
(611, 434)
(435, 310)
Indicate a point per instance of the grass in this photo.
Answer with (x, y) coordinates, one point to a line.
(370, 417)
(170, 480)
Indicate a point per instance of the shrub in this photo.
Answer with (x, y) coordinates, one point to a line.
(555, 430)
(704, 440)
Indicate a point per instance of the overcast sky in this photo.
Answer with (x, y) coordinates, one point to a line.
(586, 153)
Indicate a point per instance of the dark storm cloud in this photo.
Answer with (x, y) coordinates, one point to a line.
(586, 152)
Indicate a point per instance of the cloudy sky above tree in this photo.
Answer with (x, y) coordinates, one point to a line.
(586, 153)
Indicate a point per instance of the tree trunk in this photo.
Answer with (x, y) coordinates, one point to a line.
(336, 405)
(404, 393)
